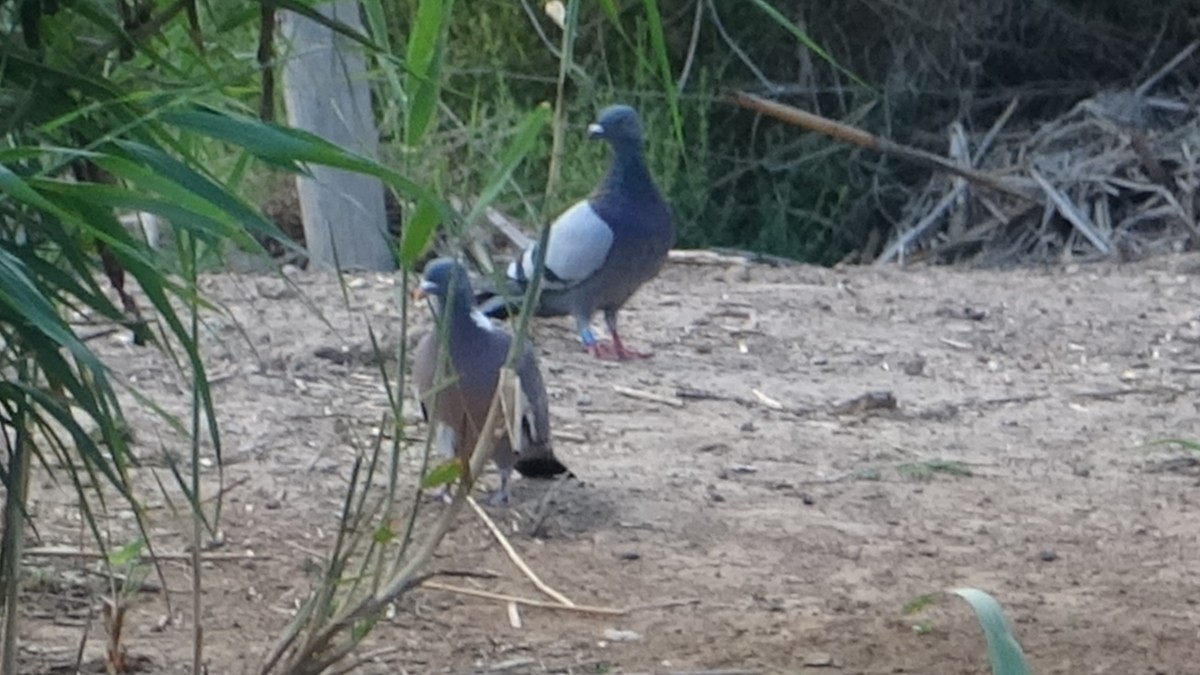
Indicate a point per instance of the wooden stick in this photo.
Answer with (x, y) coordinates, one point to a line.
(512, 554)
(766, 400)
(569, 436)
(529, 602)
(934, 215)
(68, 552)
(647, 396)
(850, 134)
(704, 257)
(1146, 86)
(509, 227)
(985, 145)
(1072, 214)
(710, 672)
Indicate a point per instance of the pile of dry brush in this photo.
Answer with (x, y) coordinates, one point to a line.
(1115, 177)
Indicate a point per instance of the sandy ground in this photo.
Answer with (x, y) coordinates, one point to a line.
(766, 522)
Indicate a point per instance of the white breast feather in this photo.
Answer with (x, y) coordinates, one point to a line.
(578, 246)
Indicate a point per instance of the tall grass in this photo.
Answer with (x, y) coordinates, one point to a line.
(139, 111)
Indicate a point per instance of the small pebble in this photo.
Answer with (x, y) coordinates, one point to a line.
(615, 635)
(737, 273)
(629, 556)
(1047, 556)
(820, 660)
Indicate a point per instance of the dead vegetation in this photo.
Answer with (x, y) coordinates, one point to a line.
(1115, 176)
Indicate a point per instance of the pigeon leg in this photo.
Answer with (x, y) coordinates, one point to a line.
(622, 352)
(601, 349)
(501, 496)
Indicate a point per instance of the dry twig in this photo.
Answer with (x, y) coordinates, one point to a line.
(850, 134)
(582, 609)
(517, 560)
(647, 396)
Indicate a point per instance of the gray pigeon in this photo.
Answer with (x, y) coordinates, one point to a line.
(602, 249)
(477, 351)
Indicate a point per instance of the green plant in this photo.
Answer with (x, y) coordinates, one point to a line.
(382, 549)
(1191, 446)
(922, 471)
(1004, 652)
(146, 113)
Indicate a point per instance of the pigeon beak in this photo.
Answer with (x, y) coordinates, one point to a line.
(595, 131)
(422, 291)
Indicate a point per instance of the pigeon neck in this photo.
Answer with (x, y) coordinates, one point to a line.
(628, 173)
(458, 312)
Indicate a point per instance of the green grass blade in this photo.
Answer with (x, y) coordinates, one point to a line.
(389, 69)
(286, 146)
(12, 184)
(189, 179)
(424, 58)
(417, 233)
(196, 215)
(805, 40)
(523, 143)
(659, 42)
(1193, 446)
(24, 299)
(1004, 652)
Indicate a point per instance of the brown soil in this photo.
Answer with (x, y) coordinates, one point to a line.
(796, 528)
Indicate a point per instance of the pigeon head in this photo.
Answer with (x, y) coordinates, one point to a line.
(617, 124)
(444, 279)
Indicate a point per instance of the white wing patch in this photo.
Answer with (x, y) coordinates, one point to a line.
(578, 246)
(482, 321)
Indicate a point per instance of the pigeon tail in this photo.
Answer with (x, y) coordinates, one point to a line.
(542, 467)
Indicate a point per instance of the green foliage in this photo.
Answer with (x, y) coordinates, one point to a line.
(103, 114)
(423, 65)
(922, 471)
(919, 603)
(1004, 652)
(442, 474)
(1192, 446)
(905, 71)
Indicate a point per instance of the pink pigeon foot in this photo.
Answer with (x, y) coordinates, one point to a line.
(606, 350)
(625, 353)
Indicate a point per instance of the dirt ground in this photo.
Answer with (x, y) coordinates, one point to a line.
(762, 523)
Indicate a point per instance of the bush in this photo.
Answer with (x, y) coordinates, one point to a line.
(901, 69)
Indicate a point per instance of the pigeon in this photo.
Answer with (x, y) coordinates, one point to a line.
(477, 350)
(602, 249)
